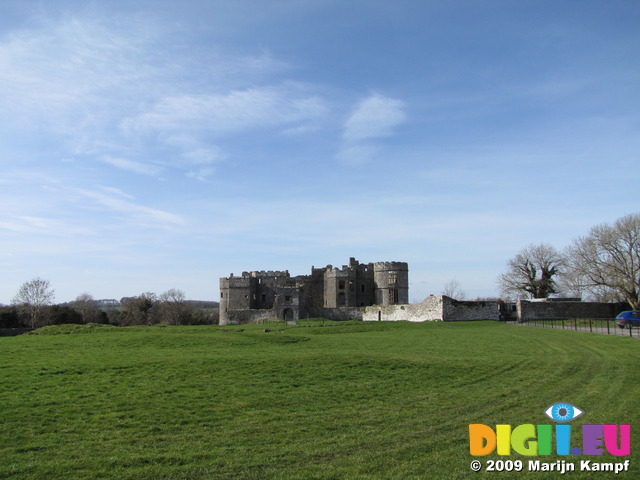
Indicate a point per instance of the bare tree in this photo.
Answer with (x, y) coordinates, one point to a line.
(454, 290)
(85, 305)
(607, 260)
(138, 310)
(32, 297)
(530, 274)
(174, 308)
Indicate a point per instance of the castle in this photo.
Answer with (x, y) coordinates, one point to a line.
(333, 293)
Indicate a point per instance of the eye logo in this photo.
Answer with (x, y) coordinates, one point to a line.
(563, 412)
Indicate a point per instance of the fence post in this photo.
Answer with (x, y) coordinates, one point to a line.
(575, 324)
(590, 327)
(563, 323)
(608, 327)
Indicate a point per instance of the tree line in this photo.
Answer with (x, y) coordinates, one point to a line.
(33, 307)
(603, 265)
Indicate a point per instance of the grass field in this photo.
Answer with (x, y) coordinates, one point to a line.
(361, 401)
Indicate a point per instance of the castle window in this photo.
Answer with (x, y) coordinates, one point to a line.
(393, 278)
(287, 298)
(263, 297)
(221, 294)
(341, 298)
(341, 284)
(362, 288)
(393, 296)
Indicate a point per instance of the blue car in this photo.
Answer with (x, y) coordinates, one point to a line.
(628, 319)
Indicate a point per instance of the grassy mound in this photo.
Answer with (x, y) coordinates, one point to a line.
(71, 329)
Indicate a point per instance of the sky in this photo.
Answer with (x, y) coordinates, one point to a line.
(149, 145)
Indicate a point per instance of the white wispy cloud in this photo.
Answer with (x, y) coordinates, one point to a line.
(26, 224)
(374, 117)
(132, 166)
(139, 214)
(237, 110)
(63, 68)
(105, 90)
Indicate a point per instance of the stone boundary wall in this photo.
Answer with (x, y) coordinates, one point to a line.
(434, 308)
(532, 310)
(459, 311)
(388, 313)
(417, 312)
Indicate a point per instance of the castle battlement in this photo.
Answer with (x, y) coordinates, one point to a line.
(270, 273)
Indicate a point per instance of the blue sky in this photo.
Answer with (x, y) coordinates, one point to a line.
(148, 145)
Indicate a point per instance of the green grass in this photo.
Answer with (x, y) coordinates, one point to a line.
(360, 401)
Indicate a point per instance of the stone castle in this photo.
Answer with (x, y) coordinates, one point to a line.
(333, 293)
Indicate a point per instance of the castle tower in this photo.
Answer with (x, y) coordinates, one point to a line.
(391, 281)
(338, 287)
(235, 293)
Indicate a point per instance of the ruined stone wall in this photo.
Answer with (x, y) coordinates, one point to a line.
(433, 308)
(459, 311)
(532, 310)
(428, 310)
(266, 287)
(287, 304)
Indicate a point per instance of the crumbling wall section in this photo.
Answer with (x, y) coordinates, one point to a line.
(461, 311)
(434, 308)
(428, 310)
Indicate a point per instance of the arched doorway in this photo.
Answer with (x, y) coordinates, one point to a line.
(287, 315)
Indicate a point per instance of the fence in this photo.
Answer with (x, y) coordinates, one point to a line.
(594, 325)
